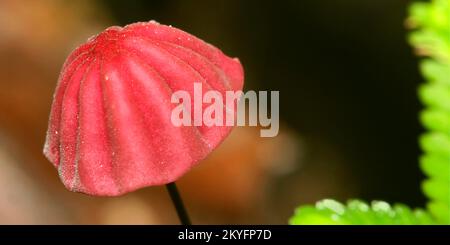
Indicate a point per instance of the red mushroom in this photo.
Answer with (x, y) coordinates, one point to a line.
(110, 129)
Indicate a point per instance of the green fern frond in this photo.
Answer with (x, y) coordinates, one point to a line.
(432, 39)
(357, 212)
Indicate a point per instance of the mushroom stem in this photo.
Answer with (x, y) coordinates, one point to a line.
(178, 203)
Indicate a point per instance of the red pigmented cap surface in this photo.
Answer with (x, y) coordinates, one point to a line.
(110, 129)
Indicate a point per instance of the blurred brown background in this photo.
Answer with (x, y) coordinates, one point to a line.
(347, 82)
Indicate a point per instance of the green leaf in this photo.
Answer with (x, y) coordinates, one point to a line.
(432, 39)
(436, 96)
(436, 144)
(356, 212)
(436, 166)
(435, 72)
(440, 210)
(436, 120)
(432, 36)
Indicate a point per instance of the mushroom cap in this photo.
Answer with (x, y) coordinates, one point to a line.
(110, 129)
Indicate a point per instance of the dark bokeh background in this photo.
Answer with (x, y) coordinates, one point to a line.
(345, 73)
(348, 106)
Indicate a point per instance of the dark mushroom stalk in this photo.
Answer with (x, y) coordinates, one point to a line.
(178, 203)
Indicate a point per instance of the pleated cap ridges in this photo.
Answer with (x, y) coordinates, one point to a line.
(110, 129)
